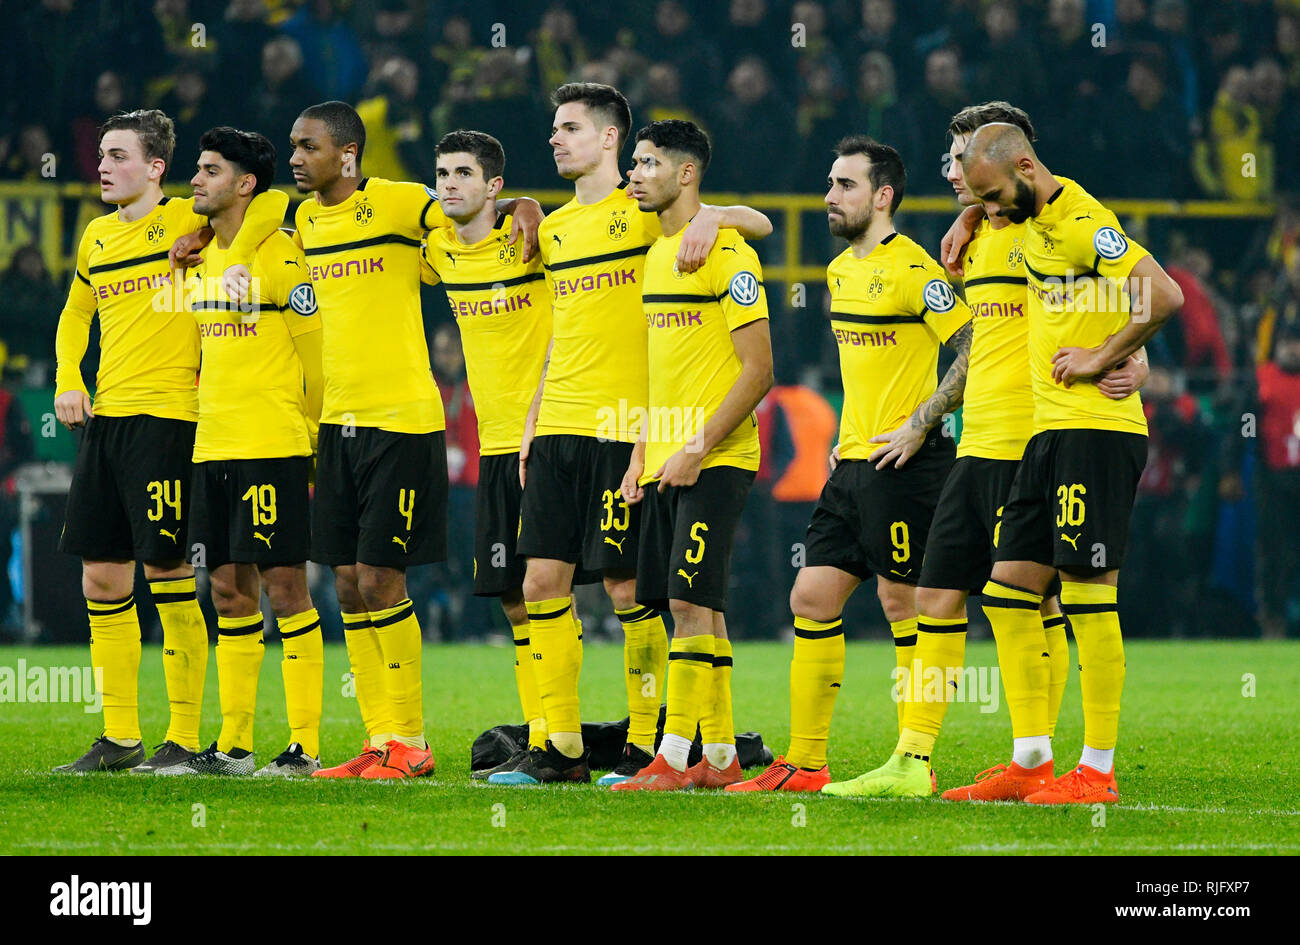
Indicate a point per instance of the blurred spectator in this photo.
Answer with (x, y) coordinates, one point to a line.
(1008, 66)
(1132, 26)
(1279, 110)
(675, 37)
(1279, 486)
(932, 108)
(1073, 86)
(818, 52)
(1281, 315)
(240, 36)
(559, 48)
(396, 145)
(1231, 163)
(819, 119)
(752, 120)
(30, 159)
(16, 448)
(877, 111)
(51, 67)
(1194, 340)
(32, 302)
(455, 58)
(279, 97)
(881, 32)
(1169, 18)
(334, 62)
(747, 32)
(177, 23)
(393, 31)
(110, 98)
(192, 109)
(663, 95)
(604, 72)
(1144, 104)
(1287, 45)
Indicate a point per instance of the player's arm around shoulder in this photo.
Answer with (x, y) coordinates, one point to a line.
(294, 294)
(702, 234)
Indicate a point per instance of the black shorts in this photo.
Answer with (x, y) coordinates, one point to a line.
(130, 494)
(1070, 503)
(870, 521)
(251, 511)
(965, 530)
(572, 507)
(498, 568)
(381, 497)
(686, 539)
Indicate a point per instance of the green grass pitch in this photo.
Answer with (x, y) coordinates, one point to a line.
(1203, 767)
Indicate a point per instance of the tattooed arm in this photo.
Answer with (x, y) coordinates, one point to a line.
(898, 447)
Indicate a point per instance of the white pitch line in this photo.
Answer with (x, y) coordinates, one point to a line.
(1154, 808)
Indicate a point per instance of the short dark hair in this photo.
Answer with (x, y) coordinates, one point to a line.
(886, 165)
(342, 122)
(247, 150)
(155, 130)
(486, 149)
(605, 99)
(973, 117)
(675, 134)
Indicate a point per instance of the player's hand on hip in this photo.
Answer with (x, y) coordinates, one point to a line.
(698, 239)
(525, 220)
(955, 240)
(237, 282)
(1075, 364)
(899, 446)
(1123, 380)
(72, 407)
(835, 457)
(630, 487)
(680, 469)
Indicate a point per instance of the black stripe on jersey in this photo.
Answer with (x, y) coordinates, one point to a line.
(217, 304)
(134, 261)
(359, 244)
(362, 185)
(83, 278)
(997, 280)
(603, 257)
(424, 224)
(681, 297)
(876, 319)
(499, 284)
(1043, 276)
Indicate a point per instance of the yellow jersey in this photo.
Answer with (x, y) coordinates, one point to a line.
(149, 346)
(692, 361)
(998, 406)
(594, 255)
(252, 402)
(502, 307)
(364, 258)
(1077, 257)
(890, 311)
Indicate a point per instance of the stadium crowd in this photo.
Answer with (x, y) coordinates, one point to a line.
(1138, 98)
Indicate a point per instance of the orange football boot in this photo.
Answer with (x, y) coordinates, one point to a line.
(1082, 785)
(658, 775)
(783, 776)
(400, 761)
(705, 775)
(1001, 783)
(353, 768)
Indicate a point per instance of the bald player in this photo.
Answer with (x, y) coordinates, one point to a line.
(1095, 297)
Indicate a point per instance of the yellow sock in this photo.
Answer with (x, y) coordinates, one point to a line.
(239, 664)
(555, 638)
(717, 727)
(904, 646)
(526, 682)
(645, 658)
(816, 673)
(1022, 655)
(690, 684)
(1058, 652)
(401, 645)
(303, 668)
(185, 655)
(940, 652)
(367, 664)
(1094, 618)
(115, 657)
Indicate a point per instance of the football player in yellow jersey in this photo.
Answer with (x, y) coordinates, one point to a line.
(130, 492)
(579, 435)
(502, 307)
(710, 363)
(259, 404)
(891, 308)
(997, 413)
(1095, 297)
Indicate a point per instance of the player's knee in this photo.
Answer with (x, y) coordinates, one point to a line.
(940, 602)
(806, 603)
(380, 587)
(104, 580)
(345, 589)
(226, 598)
(287, 598)
(898, 601)
(621, 591)
(167, 570)
(690, 619)
(513, 606)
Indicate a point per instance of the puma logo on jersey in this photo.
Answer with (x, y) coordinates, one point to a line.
(450, 258)
(559, 240)
(690, 578)
(915, 266)
(730, 249)
(1086, 216)
(1073, 541)
(265, 538)
(171, 535)
(291, 262)
(399, 541)
(99, 244)
(617, 544)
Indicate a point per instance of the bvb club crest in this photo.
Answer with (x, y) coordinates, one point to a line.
(155, 233)
(506, 252)
(365, 213)
(875, 288)
(1048, 245)
(1016, 255)
(618, 225)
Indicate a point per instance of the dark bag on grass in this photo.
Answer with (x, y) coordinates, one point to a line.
(605, 741)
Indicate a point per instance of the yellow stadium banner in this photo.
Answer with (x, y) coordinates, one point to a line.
(31, 214)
